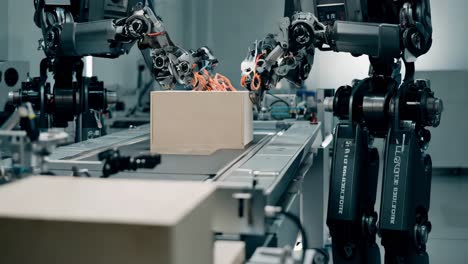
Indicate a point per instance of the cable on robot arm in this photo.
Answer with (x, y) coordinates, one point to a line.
(169, 63)
(289, 55)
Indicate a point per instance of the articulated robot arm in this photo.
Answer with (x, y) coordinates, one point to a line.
(170, 64)
(276, 57)
(73, 29)
(387, 31)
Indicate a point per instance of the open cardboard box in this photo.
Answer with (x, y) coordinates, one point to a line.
(200, 123)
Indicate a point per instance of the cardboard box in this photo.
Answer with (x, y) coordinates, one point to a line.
(47, 220)
(200, 123)
(229, 252)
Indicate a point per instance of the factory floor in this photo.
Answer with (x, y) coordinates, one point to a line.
(448, 242)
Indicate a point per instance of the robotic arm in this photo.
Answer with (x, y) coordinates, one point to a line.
(380, 106)
(385, 30)
(276, 57)
(73, 29)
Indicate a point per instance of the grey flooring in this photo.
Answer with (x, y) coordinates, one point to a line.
(448, 241)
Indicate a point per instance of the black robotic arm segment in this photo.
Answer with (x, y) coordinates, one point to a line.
(97, 38)
(291, 7)
(384, 27)
(288, 54)
(400, 114)
(376, 40)
(68, 30)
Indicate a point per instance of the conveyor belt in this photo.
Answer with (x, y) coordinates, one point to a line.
(172, 167)
(272, 161)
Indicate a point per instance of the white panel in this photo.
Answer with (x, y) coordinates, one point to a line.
(4, 30)
(332, 70)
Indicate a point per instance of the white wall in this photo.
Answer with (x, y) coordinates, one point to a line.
(23, 34)
(449, 145)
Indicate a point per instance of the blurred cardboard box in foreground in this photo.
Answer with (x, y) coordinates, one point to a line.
(88, 220)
